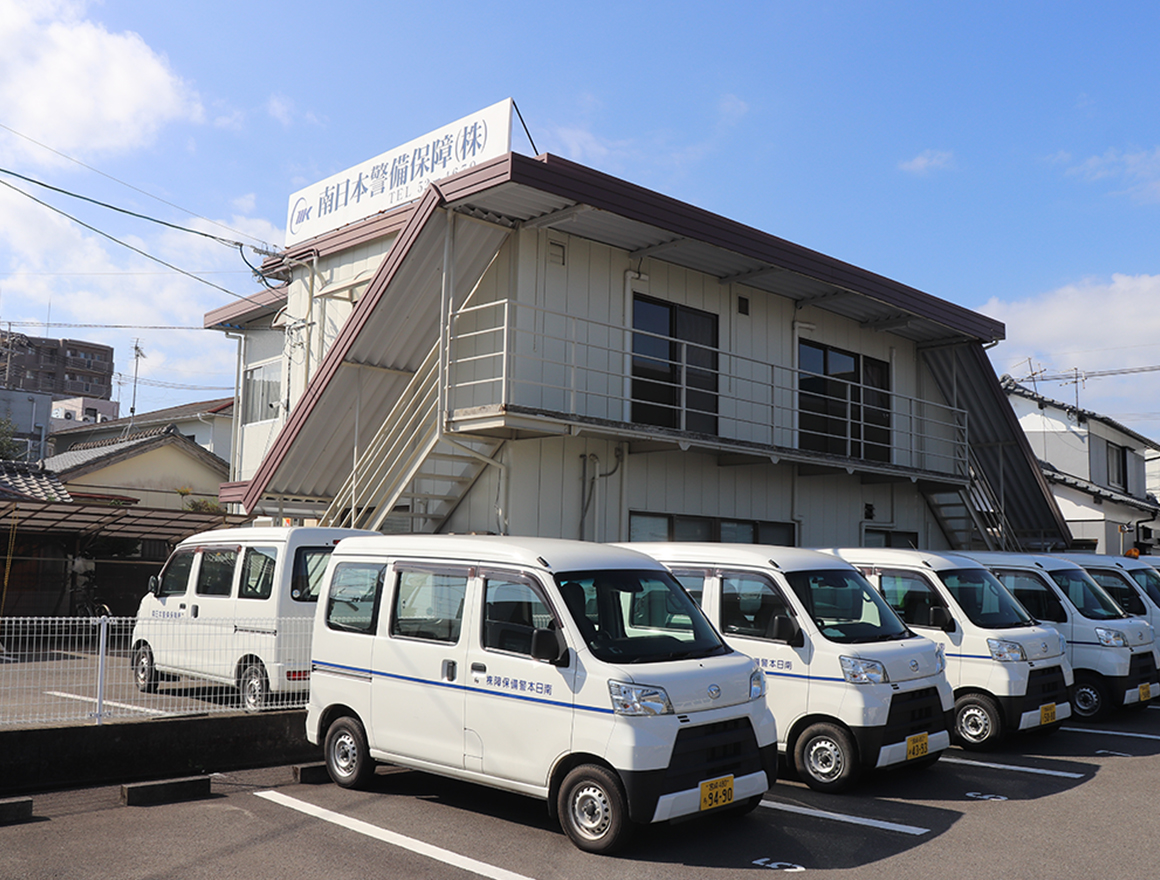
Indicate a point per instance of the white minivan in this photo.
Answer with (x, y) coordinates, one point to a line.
(1009, 673)
(569, 671)
(236, 607)
(1133, 583)
(851, 686)
(1111, 652)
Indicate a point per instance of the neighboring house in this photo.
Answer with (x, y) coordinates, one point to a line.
(159, 467)
(1097, 471)
(61, 367)
(208, 423)
(21, 481)
(30, 414)
(73, 411)
(534, 347)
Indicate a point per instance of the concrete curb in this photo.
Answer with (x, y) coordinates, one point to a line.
(43, 759)
(13, 810)
(147, 794)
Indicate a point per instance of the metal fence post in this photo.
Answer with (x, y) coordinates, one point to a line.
(102, 661)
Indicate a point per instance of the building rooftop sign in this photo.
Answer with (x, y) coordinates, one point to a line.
(399, 175)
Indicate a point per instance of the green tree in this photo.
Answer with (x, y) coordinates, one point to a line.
(10, 447)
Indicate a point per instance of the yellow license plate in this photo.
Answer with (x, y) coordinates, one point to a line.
(716, 792)
(1145, 693)
(1047, 713)
(916, 746)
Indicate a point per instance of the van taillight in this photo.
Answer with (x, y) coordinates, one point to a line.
(299, 675)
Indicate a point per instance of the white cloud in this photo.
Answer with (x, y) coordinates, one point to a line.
(68, 83)
(281, 108)
(1139, 171)
(928, 161)
(1093, 325)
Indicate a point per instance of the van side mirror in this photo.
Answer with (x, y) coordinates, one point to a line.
(784, 628)
(548, 645)
(941, 618)
(154, 584)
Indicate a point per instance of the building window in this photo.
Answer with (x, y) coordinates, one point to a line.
(1117, 466)
(844, 403)
(673, 527)
(261, 391)
(889, 538)
(674, 366)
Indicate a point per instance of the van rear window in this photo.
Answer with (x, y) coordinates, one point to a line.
(306, 579)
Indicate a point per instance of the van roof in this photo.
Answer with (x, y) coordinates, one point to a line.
(934, 560)
(759, 555)
(553, 554)
(1106, 560)
(1042, 561)
(274, 534)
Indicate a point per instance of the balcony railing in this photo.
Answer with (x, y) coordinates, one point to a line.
(534, 360)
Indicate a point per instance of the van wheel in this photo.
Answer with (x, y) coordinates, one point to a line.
(144, 672)
(348, 759)
(825, 758)
(593, 809)
(1092, 702)
(978, 722)
(255, 688)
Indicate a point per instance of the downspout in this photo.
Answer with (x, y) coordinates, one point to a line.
(235, 422)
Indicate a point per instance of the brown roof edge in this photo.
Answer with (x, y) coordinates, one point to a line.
(245, 309)
(426, 208)
(233, 493)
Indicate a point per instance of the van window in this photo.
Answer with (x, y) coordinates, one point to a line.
(513, 609)
(1149, 580)
(215, 576)
(910, 595)
(258, 573)
(749, 603)
(355, 590)
(694, 584)
(175, 577)
(983, 599)
(1120, 590)
(1086, 595)
(306, 577)
(429, 604)
(845, 608)
(1033, 594)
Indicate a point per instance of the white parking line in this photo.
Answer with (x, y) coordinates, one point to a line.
(1013, 767)
(112, 703)
(843, 817)
(416, 846)
(1111, 732)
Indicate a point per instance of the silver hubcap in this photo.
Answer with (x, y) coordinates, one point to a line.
(345, 754)
(824, 759)
(252, 690)
(590, 810)
(144, 667)
(974, 724)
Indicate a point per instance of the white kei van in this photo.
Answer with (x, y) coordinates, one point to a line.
(236, 607)
(1133, 583)
(1111, 653)
(850, 686)
(1009, 673)
(573, 672)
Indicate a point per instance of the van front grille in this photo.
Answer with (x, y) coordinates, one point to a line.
(711, 750)
(914, 712)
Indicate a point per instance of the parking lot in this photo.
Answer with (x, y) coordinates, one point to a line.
(1080, 803)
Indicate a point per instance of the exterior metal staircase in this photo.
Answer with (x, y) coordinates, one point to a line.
(972, 517)
(411, 476)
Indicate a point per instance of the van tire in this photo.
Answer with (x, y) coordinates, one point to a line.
(1092, 700)
(826, 758)
(254, 687)
(978, 721)
(144, 672)
(593, 810)
(348, 759)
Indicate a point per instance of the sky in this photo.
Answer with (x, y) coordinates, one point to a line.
(1002, 156)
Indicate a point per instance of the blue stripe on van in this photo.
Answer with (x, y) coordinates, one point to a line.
(775, 674)
(462, 687)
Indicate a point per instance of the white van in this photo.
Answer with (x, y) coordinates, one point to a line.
(1133, 583)
(850, 686)
(235, 606)
(1008, 672)
(1111, 653)
(573, 672)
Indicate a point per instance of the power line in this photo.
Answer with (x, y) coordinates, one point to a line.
(1080, 375)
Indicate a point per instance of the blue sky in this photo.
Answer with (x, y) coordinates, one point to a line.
(1003, 156)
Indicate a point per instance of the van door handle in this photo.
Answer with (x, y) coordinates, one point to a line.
(479, 667)
(449, 670)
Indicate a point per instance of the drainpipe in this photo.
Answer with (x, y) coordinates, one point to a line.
(236, 422)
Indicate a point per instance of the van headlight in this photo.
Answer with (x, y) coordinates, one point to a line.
(638, 699)
(1006, 652)
(756, 683)
(860, 671)
(1111, 638)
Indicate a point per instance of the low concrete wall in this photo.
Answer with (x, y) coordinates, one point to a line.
(40, 759)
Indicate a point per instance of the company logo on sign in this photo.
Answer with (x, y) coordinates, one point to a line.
(399, 175)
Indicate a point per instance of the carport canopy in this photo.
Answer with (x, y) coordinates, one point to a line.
(62, 518)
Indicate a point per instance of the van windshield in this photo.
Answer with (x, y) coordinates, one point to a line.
(1086, 595)
(984, 600)
(630, 616)
(845, 608)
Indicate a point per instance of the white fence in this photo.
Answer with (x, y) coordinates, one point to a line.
(89, 670)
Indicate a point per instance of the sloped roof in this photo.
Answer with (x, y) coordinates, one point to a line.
(20, 480)
(1012, 387)
(87, 457)
(222, 406)
(395, 323)
(1054, 475)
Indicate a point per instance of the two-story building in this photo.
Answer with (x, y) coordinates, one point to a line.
(535, 347)
(1096, 468)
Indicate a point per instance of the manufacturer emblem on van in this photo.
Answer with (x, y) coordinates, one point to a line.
(914, 666)
(1044, 647)
(714, 692)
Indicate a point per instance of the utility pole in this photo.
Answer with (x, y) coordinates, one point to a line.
(137, 355)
